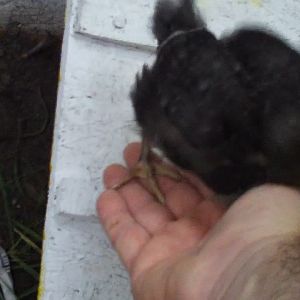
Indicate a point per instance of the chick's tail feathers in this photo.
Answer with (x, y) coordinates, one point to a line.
(175, 15)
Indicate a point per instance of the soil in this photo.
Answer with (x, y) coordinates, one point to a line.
(28, 88)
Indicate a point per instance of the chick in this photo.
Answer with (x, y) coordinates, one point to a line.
(225, 109)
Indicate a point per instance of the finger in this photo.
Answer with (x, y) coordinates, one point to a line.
(199, 184)
(150, 214)
(127, 236)
(140, 203)
(182, 199)
(113, 175)
(132, 154)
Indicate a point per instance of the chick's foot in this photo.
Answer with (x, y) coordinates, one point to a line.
(148, 171)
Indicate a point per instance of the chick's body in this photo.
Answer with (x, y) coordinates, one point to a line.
(273, 81)
(229, 109)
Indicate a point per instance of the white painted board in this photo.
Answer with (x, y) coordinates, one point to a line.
(129, 22)
(281, 17)
(125, 22)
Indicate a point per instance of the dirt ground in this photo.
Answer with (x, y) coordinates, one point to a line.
(28, 87)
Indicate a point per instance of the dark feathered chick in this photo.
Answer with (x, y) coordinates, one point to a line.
(228, 110)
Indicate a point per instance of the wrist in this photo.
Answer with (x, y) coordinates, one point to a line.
(268, 270)
(258, 254)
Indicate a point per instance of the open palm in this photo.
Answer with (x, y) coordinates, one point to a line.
(190, 246)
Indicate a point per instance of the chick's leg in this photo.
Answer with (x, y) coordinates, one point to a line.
(147, 170)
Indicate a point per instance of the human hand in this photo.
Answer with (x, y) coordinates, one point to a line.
(190, 248)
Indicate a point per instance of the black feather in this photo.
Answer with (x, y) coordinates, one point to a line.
(273, 69)
(229, 109)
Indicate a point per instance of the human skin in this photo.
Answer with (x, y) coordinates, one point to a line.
(193, 247)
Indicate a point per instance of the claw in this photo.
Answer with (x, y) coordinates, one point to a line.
(147, 170)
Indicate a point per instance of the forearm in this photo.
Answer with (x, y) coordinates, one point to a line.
(267, 260)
